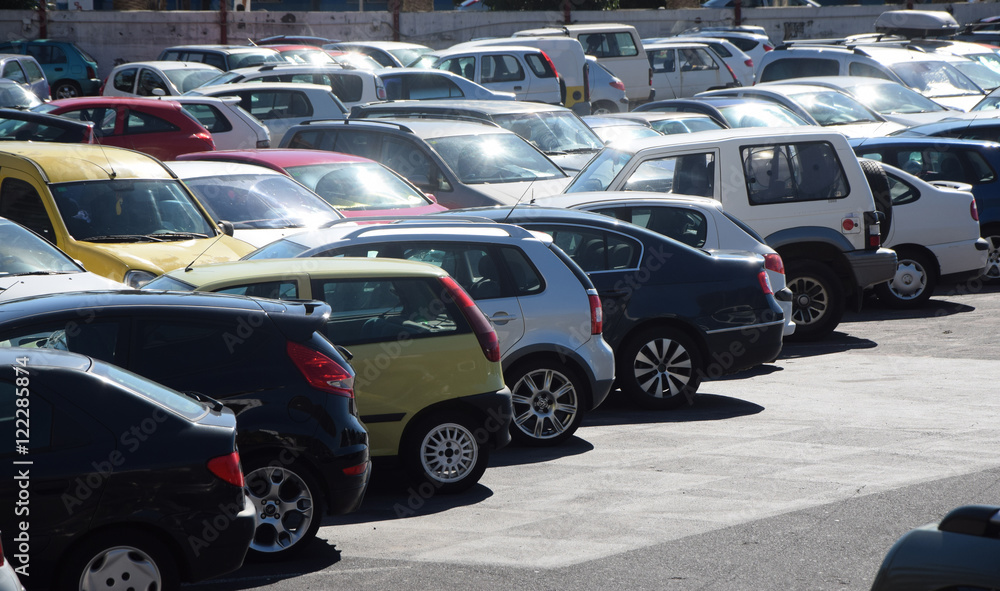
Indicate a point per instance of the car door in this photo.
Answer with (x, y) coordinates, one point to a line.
(146, 132)
(699, 71)
(504, 72)
(462, 65)
(664, 65)
(277, 109)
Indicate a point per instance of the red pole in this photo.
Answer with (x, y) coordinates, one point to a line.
(223, 22)
(737, 12)
(43, 20)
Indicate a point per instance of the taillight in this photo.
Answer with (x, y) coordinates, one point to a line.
(356, 470)
(92, 74)
(207, 138)
(748, 63)
(380, 92)
(1, 555)
(767, 47)
(227, 468)
(974, 211)
(651, 76)
(100, 90)
(765, 283)
(545, 57)
(480, 324)
(618, 84)
(320, 371)
(773, 262)
(263, 143)
(596, 312)
(731, 72)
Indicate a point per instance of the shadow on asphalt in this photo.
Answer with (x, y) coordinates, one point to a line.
(617, 410)
(314, 557)
(837, 342)
(876, 311)
(516, 455)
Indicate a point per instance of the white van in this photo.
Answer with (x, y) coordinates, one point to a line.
(526, 71)
(617, 47)
(567, 56)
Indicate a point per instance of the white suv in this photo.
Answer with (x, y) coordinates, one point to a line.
(352, 87)
(545, 310)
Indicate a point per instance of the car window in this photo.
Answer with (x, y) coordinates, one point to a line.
(214, 60)
(260, 201)
(661, 60)
(684, 225)
(85, 335)
(190, 78)
(598, 174)
(209, 116)
(12, 70)
(124, 80)
(494, 158)
(695, 59)
(473, 266)
(173, 400)
(501, 68)
(358, 186)
(420, 87)
(799, 67)
(721, 49)
(688, 174)
(103, 119)
(860, 69)
(931, 164)
(595, 250)
(150, 81)
(275, 290)
(25, 253)
(20, 202)
(526, 280)
(808, 171)
(540, 66)
(608, 44)
(137, 122)
(406, 159)
(276, 104)
(34, 72)
(463, 66)
(348, 88)
(901, 192)
(47, 54)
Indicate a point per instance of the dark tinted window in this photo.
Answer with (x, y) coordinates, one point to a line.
(348, 88)
(793, 172)
(104, 119)
(150, 81)
(525, 278)
(406, 159)
(860, 69)
(275, 290)
(473, 266)
(901, 191)
(47, 54)
(539, 65)
(935, 164)
(595, 250)
(137, 122)
(82, 334)
(124, 80)
(209, 117)
(276, 104)
(214, 60)
(799, 67)
(661, 60)
(19, 202)
(684, 225)
(12, 71)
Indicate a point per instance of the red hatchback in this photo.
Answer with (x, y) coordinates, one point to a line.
(160, 128)
(356, 186)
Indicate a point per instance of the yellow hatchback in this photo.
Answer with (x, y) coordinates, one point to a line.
(121, 213)
(428, 382)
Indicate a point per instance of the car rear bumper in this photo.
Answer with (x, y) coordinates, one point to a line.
(598, 359)
(966, 258)
(222, 544)
(497, 413)
(871, 267)
(734, 350)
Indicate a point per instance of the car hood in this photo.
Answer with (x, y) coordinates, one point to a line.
(962, 103)
(523, 192)
(113, 260)
(867, 129)
(572, 163)
(31, 285)
(264, 236)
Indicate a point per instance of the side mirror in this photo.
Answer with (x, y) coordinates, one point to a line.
(227, 227)
(158, 92)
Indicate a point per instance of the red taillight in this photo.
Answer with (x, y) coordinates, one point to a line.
(767, 47)
(974, 211)
(380, 93)
(596, 312)
(765, 283)
(773, 262)
(651, 76)
(545, 57)
(227, 468)
(748, 63)
(92, 74)
(100, 90)
(207, 138)
(874, 240)
(618, 84)
(356, 470)
(731, 72)
(480, 324)
(320, 371)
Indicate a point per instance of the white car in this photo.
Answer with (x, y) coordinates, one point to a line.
(754, 44)
(351, 86)
(389, 54)
(684, 68)
(31, 265)
(934, 230)
(740, 63)
(525, 71)
(280, 105)
(158, 78)
(232, 128)
(699, 222)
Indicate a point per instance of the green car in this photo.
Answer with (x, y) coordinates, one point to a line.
(429, 386)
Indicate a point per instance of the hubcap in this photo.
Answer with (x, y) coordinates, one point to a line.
(448, 453)
(545, 403)
(993, 259)
(663, 368)
(811, 300)
(121, 567)
(283, 508)
(910, 280)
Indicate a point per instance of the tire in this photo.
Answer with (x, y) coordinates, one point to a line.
(549, 399)
(603, 108)
(289, 506)
(914, 282)
(879, 184)
(119, 559)
(660, 368)
(992, 236)
(443, 450)
(66, 89)
(817, 300)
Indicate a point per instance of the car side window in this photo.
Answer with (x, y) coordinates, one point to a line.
(684, 225)
(429, 86)
(359, 143)
(902, 192)
(12, 70)
(406, 159)
(278, 104)
(501, 68)
(808, 171)
(275, 290)
(210, 117)
(799, 67)
(595, 250)
(150, 81)
(20, 202)
(84, 335)
(526, 279)
(688, 174)
(696, 58)
(661, 60)
(124, 80)
(103, 119)
(860, 69)
(609, 44)
(473, 266)
(137, 122)
(34, 72)
(348, 88)
(47, 54)
(214, 60)
(538, 65)
(463, 66)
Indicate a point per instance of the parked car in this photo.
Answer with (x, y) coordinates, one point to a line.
(304, 451)
(303, 54)
(351, 87)
(69, 70)
(280, 105)
(263, 205)
(674, 315)
(428, 383)
(802, 189)
(423, 84)
(125, 473)
(615, 129)
(353, 60)
(670, 122)
(990, 103)
(730, 112)
(121, 213)
(739, 62)
(966, 127)
(389, 54)
(699, 222)
(354, 185)
(18, 125)
(25, 70)
(685, 68)
(463, 164)
(31, 266)
(224, 57)
(162, 129)
(298, 39)
(556, 131)
(231, 126)
(754, 43)
(526, 71)
(164, 78)
(14, 95)
(607, 91)
(545, 311)
(759, 3)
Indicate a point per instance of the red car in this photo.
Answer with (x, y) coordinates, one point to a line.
(160, 128)
(356, 186)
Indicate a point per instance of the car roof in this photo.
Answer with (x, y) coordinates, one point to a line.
(674, 44)
(291, 68)
(483, 49)
(614, 197)
(585, 27)
(348, 267)
(491, 107)
(382, 44)
(280, 157)
(787, 89)
(714, 136)
(433, 229)
(109, 299)
(192, 169)
(831, 81)
(169, 65)
(86, 162)
(237, 86)
(423, 128)
(133, 101)
(223, 48)
(857, 143)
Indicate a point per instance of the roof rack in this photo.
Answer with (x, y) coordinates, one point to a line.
(348, 120)
(378, 114)
(411, 219)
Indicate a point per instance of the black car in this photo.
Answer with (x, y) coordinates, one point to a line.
(18, 125)
(112, 480)
(673, 314)
(305, 452)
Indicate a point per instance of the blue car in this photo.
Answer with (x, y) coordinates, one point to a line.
(69, 69)
(943, 158)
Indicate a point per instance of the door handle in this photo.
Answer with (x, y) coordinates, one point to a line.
(517, 88)
(502, 318)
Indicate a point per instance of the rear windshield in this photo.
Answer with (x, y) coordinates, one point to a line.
(186, 80)
(494, 158)
(172, 400)
(539, 65)
(279, 249)
(799, 67)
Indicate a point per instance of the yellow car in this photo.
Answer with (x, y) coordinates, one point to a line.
(121, 213)
(428, 382)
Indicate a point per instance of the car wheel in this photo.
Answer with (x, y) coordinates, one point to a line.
(603, 108)
(288, 507)
(992, 236)
(66, 89)
(817, 300)
(879, 184)
(444, 451)
(913, 283)
(548, 400)
(660, 368)
(119, 559)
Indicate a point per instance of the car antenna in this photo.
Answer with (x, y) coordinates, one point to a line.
(251, 42)
(202, 253)
(113, 174)
(518, 202)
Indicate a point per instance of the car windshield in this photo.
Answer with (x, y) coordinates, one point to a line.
(494, 158)
(599, 172)
(408, 55)
(893, 98)
(279, 249)
(829, 107)
(126, 210)
(224, 78)
(18, 130)
(758, 114)
(246, 60)
(26, 253)
(188, 79)
(619, 133)
(553, 132)
(15, 96)
(253, 201)
(935, 79)
(357, 186)
(983, 76)
(426, 60)
(686, 125)
(989, 59)
(307, 56)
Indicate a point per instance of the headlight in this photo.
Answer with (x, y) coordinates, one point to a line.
(136, 279)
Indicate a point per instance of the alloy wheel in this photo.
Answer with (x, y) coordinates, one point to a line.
(810, 300)
(448, 452)
(545, 403)
(283, 508)
(663, 368)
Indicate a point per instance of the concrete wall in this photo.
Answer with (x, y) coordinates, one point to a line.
(127, 36)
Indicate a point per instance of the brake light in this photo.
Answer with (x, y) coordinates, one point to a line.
(92, 74)
(480, 324)
(765, 283)
(974, 211)
(227, 468)
(748, 63)
(618, 84)
(767, 47)
(596, 312)
(773, 262)
(100, 90)
(545, 57)
(207, 138)
(731, 72)
(356, 470)
(263, 143)
(380, 92)
(320, 371)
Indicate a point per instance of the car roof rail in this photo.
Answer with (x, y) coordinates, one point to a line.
(375, 115)
(421, 220)
(348, 120)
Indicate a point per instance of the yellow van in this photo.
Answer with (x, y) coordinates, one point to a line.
(121, 213)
